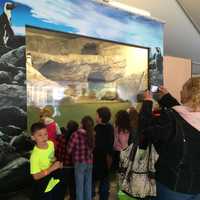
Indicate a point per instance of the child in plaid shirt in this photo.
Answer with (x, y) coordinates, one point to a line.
(63, 156)
(80, 147)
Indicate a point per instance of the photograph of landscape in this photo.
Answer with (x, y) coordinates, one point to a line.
(75, 75)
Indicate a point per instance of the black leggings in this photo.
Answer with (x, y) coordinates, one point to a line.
(57, 193)
(116, 159)
(70, 185)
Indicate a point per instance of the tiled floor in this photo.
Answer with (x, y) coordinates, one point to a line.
(113, 192)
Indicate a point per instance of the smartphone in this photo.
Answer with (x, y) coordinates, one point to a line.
(154, 88)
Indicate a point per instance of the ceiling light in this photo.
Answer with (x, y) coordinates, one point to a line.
(127, 8)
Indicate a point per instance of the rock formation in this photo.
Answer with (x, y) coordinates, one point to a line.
(14, 143)
(79, 67)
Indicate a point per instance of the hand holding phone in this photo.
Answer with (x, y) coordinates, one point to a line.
(147, 95)
(163, 90)
(154, 88)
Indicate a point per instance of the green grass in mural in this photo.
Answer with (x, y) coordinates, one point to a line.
(77, 111)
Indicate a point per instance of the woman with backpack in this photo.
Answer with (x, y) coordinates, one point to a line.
(176, 135)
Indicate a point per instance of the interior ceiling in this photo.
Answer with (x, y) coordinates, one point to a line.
(192, 9)
(181, 38)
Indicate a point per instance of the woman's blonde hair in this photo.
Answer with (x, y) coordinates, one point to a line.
(192, 88)
(47, 111)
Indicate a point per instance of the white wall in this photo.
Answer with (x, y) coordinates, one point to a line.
(181, 38)
(172, 67)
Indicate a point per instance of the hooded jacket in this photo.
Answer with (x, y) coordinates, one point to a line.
(176, 136)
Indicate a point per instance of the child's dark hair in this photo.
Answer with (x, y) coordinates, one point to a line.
(72, 126)
(63, 130)
(36, 127)
(122, 120)
(134, 117)
(88, 125)
(104, 113)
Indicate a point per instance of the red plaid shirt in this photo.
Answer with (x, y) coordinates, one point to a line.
(61, 152)
(79, 149)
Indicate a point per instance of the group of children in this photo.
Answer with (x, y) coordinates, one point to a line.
(77, 157)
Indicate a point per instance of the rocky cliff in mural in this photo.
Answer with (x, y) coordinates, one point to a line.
(15, 144)
(85, 68)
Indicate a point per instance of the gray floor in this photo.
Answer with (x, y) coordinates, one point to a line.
(113, 192)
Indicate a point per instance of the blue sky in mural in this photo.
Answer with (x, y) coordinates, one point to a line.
(89, 18)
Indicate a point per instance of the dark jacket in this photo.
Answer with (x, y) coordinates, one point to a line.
(104, 140)
(178, 145)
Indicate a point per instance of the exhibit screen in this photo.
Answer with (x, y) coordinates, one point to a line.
(75, 74)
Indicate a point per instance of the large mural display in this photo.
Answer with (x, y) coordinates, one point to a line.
(70, 71)
(83, 17)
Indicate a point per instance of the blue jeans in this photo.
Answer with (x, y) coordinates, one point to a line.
(83, 177)
(164, 193)
(104, 186)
